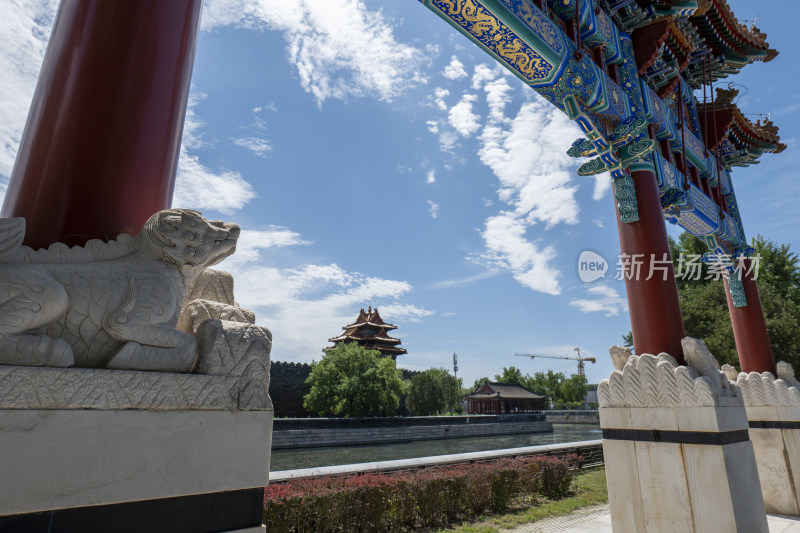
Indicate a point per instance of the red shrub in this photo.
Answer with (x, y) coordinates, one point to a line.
(401, 501)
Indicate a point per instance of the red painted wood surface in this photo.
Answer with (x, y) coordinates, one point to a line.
(99, 152)
(653, 304)
(750, 328)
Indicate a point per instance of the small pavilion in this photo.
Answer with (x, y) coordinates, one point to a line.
(500, 398)
(369, 330)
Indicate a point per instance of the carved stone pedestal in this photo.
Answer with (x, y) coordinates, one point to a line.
(108, 450)
(773, 414)
(98, 450)
(678, 456)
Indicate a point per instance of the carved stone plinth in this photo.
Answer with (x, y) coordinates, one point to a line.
(112, 449)
(773, 414)
(677, 451)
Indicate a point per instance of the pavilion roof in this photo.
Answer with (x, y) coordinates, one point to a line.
(505, 391)
(371, 317)
(745, 140)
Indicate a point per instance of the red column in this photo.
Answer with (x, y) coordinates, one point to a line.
(750, 328)
(653, 304)
(99, 151)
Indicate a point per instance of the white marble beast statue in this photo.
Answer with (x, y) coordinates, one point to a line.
(107, 304)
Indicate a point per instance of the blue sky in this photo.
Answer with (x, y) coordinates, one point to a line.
(373, 156)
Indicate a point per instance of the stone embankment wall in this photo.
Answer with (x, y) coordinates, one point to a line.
(573, 417)
(315, 432)
(287, 386)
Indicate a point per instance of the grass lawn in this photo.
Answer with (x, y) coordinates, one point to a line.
(589, 488)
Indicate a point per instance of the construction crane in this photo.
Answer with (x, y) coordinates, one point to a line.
(580, 359)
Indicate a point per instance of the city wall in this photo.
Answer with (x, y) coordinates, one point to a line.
(316, 432)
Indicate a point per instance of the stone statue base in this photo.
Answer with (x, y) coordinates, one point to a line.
(773, 414)
(97, 450)
(677, 450)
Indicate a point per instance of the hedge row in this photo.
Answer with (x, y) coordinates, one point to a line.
(403, 501)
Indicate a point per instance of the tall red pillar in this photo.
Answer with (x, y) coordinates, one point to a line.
(653, 303)
(99, 152)
(750, 327)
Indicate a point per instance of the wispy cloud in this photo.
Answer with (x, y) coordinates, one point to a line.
(431, 178)
(525, 151)
(199, 187)
(257, 145)
(439, 95)
(603, 299)
(463, 282)
(433, 209)
(339, 47)
(455, 70)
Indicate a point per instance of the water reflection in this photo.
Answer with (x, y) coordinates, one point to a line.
(342, 455)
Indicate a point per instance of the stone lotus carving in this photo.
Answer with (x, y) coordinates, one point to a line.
(658, 381)
(108, 305)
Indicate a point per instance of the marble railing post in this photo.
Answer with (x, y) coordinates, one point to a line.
(99, 152)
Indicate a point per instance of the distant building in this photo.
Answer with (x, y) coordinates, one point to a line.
(369, 330)
(500, 398)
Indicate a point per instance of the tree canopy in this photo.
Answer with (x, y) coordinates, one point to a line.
(705, 310)
(434, 392)
(352, 381)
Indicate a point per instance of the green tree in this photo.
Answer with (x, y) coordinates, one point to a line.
(627, 340)
(704, 305)
(479, 382)
(511, 374)
(573, 390)
(433, 392)
(352, 381)
(546, 383)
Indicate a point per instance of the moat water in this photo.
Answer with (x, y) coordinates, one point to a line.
(342, 455)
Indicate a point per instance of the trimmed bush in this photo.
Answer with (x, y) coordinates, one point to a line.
(403, 501)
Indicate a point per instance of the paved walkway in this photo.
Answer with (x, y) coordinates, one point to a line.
(598, 520)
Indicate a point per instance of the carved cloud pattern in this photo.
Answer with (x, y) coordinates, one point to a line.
(656, 381)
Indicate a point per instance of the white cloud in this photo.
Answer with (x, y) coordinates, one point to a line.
(482, 74)
(440, 94)
(307, 305)
(405, 312)
(448, 140)
(455, 70)
(431, 176)
(507, 247)
(602, 184)
(461, 117)
(433, 126)
(338, 47)
(529, 160)
(433, 209)
(260, 147)
(197, 186)
(465, 281)
(604, 299)
(448, 313)
(24, 30)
